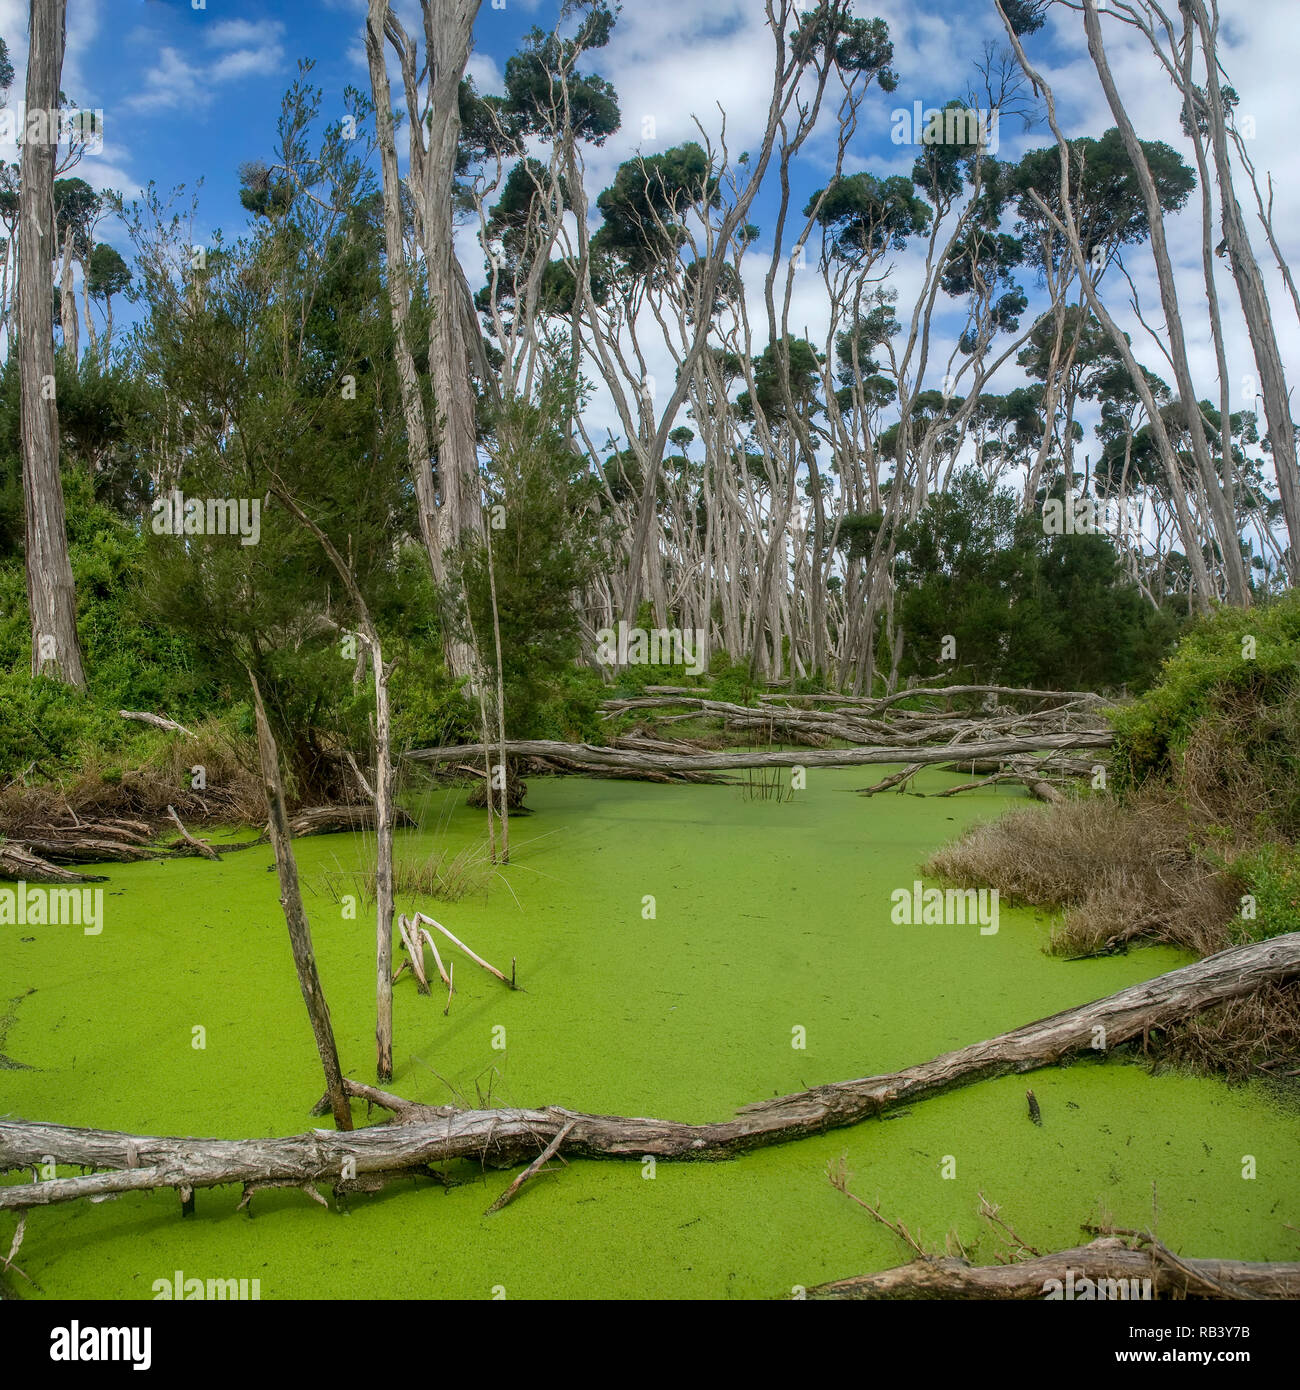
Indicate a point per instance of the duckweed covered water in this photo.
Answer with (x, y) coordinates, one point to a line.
(771, 924)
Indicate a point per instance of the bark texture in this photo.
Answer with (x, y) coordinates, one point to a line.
(56, 651)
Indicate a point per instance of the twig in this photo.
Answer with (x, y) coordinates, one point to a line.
(200, 846)
(455, 941)
(838, 1174)
(532, 1170)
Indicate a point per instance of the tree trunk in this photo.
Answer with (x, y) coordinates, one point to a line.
(589, 755)
(56, 651)
(304, 957)
(68, 301)
(1254, 304)
(383, 797)
(1102, 1262)
(1202, 592)
(399, 293)
(1225, 524)
(506, 1137)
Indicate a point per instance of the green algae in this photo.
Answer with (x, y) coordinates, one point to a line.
(771, 925)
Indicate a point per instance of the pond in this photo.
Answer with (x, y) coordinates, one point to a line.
(683, 951)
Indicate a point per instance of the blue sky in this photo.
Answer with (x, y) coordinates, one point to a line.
(191, 93)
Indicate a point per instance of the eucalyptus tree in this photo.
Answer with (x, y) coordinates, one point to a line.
(107, 274)
(77, 207)
(950, 208)
(1208, 102)
(1065, 224)
(1220, 504)
(56, 650)
(445, 435)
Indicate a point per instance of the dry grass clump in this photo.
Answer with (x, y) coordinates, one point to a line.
(1119, 871)
(443, 875)
(1257, 1033)
(162, 778)
(1240, 766)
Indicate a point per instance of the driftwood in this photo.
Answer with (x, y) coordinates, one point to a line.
(553, 763)
(158, 721)
(873, 723)
(200, 847)
(590, 755)
(1108, 1264)
(18, 863)
(424, 1135)
(86, 847)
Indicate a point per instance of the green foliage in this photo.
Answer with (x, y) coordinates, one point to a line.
(645, 207)
(1210, 675)
(429, 708)
(1025, 608)
(543, 528)
(133, 659)
(570, 711)
(1108, 206)
(1271, 874)
(863, 213)
(731, 681)
(51, 725)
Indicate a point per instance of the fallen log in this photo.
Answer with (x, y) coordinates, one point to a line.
(18, 863)
(87, 849)
(563, 767)
(1113, 1269)
(591, 755)
(423, 1135)
(325, 820)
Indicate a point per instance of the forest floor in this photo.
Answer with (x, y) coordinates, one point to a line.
(769, 917)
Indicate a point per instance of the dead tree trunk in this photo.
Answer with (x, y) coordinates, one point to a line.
(590, 755)
(383, 797)
(19, 863)
(304, 958)
(399, 294)
(56, 651)
(425, 1134)
(1107, 1263)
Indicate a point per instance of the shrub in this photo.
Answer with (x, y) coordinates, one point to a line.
(1222, 724)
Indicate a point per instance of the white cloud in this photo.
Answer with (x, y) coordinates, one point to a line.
(250, 49)
(237, 33)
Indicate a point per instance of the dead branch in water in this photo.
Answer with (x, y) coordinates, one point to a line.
(421, 1135)
(1107, 1264)
(199, 846)
(589, 755)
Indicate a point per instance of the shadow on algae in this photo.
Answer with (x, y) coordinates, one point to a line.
(771, 925)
